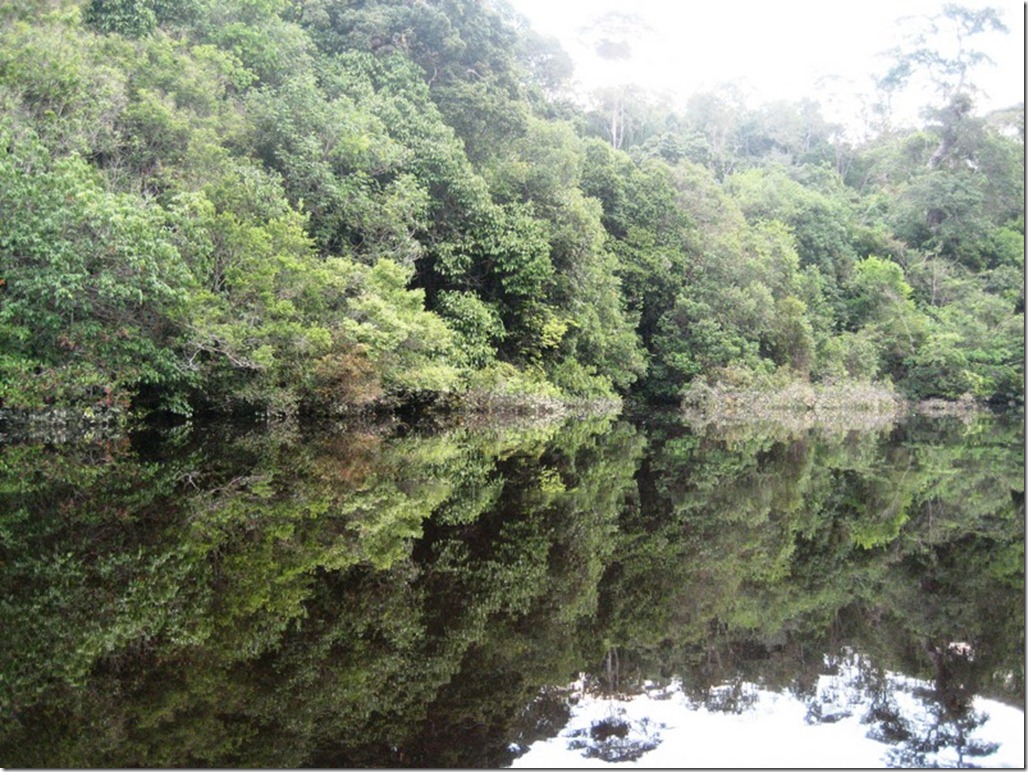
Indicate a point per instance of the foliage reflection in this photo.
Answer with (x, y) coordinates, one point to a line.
(366, 597)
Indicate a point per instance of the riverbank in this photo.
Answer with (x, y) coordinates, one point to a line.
(473, 408)
(796, 407)
(825, 399)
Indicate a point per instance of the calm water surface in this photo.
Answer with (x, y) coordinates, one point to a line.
(598, 591)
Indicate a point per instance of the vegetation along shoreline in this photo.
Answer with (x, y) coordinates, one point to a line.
(318, 209)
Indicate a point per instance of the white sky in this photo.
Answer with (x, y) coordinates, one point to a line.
(772, 732)
(773, 49)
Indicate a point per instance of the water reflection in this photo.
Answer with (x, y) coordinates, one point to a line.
(362, 596)
(858, 716)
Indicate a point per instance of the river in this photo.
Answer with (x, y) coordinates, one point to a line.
(595, 591)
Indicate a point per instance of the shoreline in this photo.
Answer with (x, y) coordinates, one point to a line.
(795, 406)
(799, 406)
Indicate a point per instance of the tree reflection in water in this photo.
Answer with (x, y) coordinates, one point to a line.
(362, 597)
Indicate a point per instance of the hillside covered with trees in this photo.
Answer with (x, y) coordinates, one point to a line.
(323, 205)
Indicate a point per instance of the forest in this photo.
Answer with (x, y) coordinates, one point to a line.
(312, 207)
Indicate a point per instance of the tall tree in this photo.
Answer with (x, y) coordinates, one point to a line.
(941, 51)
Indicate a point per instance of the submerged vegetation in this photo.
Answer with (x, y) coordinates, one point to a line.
(319, 207)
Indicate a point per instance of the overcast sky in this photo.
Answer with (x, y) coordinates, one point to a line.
(774, 49)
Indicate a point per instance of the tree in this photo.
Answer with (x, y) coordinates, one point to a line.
(621, 106)
(465, 50)
(548, 65)
(94, 289)
(131, 18)
(718, 116)
(881, 302)
(942, 53)
(820, 214)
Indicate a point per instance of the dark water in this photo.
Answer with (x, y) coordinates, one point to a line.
(362, 596)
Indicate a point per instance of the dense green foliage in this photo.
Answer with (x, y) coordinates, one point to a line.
(328, 204)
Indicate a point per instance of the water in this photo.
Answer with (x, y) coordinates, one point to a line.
(593, 592)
